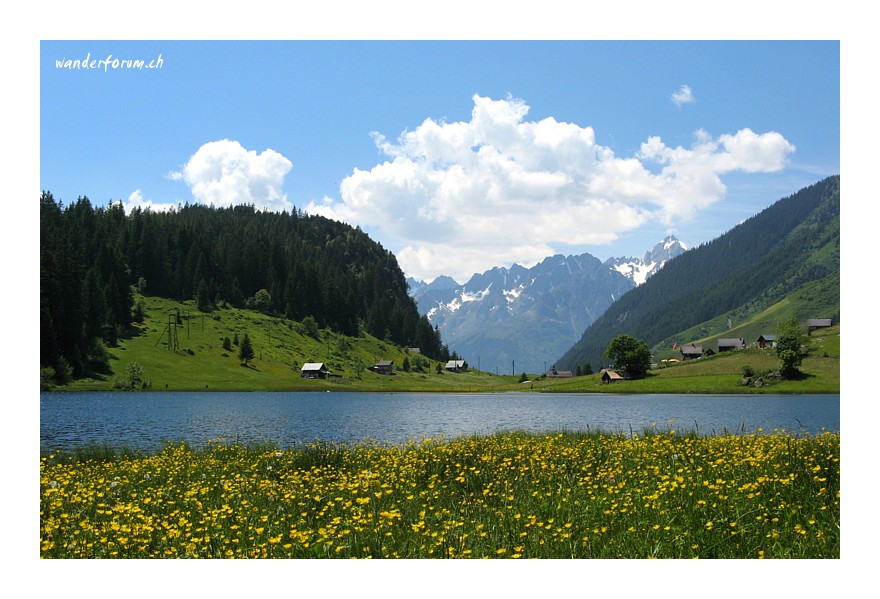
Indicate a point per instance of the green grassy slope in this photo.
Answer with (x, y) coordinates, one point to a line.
(200, 362)
(281, 346)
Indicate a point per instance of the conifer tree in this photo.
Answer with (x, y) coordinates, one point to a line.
(203, 297)
(246, 350)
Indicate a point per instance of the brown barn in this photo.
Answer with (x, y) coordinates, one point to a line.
(765, 341)
(730, 344)
(559, 374)
(612, 376)
(817, 323)
(383, 367)
(691, 351)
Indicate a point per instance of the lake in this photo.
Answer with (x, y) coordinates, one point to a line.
(149, 420)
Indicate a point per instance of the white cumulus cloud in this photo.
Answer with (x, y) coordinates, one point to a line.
(461, 197)
(223, 173)
(683, 95)
(136, 200)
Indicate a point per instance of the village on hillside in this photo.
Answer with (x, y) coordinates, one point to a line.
(694, 351)
(688, 351)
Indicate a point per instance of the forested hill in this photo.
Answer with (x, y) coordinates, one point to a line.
(289, 264)
(794, 242)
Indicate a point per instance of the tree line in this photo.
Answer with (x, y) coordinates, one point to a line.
(288, 264)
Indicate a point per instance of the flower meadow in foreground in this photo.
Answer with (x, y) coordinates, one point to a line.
(567, 495)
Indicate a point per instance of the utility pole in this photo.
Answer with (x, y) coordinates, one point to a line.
(171, 329)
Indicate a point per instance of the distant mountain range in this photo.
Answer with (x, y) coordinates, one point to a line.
(521, 319)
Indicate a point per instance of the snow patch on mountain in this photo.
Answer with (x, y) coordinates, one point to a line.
(512, 294)
(465, 297)
(670, 244)
(637, 271)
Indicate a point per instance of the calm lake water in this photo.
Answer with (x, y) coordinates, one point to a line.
(150, 420)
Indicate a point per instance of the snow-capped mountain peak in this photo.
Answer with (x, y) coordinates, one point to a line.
(640, 270)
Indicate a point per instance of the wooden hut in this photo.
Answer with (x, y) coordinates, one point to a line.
(314, 370)
(383, 367)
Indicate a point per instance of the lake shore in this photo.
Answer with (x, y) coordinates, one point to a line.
(656, 382)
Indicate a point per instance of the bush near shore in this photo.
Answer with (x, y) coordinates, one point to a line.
(659, 494)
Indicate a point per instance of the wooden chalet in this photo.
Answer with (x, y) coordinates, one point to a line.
(613, 376)
(691, 351)
(383, 367)
(314, 370)
(457, 366)
(765, 341)
(731, 344)
(559, 374)
(817, 323)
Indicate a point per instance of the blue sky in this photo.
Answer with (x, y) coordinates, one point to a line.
(515, 149)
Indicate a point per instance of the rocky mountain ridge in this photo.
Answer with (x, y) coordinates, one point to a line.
(516, 319)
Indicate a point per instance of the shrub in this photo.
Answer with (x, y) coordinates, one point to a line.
(310, 327)
(135, 375)
(64, 372)
(47, 378)
(789, 347)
